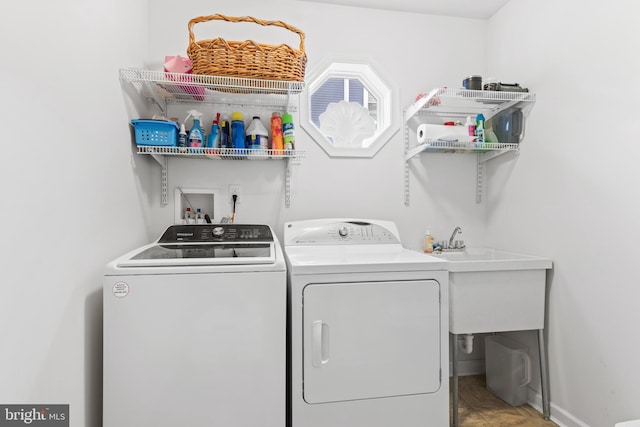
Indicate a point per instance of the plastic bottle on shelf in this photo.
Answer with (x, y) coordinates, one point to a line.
(471, 126)
(213, 140)
(182, 137)
(238, 141)
(480, 128)
(224, 134)
(257, 136)
(427, 242)
(288, 135)
(196, 134)
(277, 144)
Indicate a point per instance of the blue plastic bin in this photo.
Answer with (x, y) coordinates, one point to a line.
(156, 132)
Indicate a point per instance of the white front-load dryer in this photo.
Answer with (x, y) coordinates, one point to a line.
(368, 327)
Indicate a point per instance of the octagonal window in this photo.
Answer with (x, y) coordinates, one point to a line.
(349, 110)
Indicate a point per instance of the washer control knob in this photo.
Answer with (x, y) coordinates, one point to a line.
(343, 231)
(218, 231)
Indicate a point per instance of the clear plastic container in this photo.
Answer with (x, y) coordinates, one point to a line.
(508, 369)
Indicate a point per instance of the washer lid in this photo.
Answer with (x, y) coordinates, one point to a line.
(206, 245)
(205, 253)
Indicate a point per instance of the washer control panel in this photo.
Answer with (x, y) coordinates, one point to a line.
(339, 233)
(217, 233)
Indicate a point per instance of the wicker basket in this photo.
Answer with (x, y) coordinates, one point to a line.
(219, 57)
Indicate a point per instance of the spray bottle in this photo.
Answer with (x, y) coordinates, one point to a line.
(196, 134)
(182, 137)
(213, 140)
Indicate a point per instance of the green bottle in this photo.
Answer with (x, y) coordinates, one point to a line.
(288, 136)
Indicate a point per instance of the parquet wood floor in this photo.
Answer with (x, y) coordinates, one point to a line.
(478, 407)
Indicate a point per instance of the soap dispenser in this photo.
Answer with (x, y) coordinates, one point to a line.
(427, 243)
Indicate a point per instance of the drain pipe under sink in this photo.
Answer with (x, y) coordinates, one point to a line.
(466, 343)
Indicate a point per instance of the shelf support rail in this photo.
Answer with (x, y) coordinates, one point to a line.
(287, 184)
(417, 106)
(406, 163)
(164, 181)
(479, 179)
(155, 97)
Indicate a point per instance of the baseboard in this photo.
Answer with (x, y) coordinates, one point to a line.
(468, 367)
(559, 416)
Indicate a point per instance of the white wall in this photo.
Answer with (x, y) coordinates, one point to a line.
(71, 199)
(413, 54)
(76, 195)
(571, 194)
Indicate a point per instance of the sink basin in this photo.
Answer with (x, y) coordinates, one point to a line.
(487, 259)
(495, 291)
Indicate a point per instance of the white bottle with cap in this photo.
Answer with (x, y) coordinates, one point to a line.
(257, 136)
(471, 126)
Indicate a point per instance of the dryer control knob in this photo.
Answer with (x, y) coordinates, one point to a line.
(218, 231)
(343, 231)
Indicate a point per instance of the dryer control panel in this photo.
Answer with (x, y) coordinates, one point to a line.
(345, 232)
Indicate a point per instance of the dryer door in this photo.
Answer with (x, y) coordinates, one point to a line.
(370, 340)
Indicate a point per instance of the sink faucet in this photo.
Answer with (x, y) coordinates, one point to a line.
(453, 235)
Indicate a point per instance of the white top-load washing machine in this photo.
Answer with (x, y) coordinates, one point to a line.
(368, 327)
(194, 330)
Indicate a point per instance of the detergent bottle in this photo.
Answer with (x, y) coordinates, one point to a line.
(196, 134)
(257, 136)
(238, 140)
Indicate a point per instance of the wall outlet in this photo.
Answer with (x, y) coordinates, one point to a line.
(234, 189)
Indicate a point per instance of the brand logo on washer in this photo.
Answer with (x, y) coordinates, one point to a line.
(120, 289)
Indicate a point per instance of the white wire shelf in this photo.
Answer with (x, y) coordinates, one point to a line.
(443, 104)
(164, 88)
(459, 103)
(439, 146)
(222, 153)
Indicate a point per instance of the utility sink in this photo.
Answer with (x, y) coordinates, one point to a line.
(495, 291)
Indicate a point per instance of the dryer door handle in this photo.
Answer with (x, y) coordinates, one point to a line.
(319, 343)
